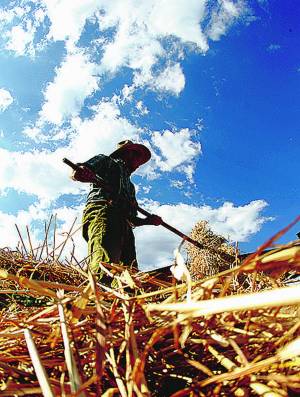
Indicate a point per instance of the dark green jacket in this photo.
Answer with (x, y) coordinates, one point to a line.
(114, 172)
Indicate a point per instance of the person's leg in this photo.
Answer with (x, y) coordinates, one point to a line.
(128, 254)
(105, 232)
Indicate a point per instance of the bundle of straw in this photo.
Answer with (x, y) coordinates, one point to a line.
(217, 255)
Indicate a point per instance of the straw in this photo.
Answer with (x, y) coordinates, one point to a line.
(237, 335)
(38, 366)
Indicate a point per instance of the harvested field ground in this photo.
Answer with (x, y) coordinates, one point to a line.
(233, 334)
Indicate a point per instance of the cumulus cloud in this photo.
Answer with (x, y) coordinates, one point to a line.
(176, 18)
(42, 173)
(40, 212)
(137, 42)
(107, 127)
(6, 99)
(140, 31)
(7, 16)
(37, 173)
(236, 223)
(75, 80)
(170, 80)
(139, 38)
(33, 133)
(8, 232)
(142, 108)
(159, 17)
(103, 130)
(176, 150)
(20, 25)
(136, 50)
(20, 40)
(223, 16)
(155, 244)
(68, 19)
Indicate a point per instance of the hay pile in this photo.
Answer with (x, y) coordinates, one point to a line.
(144, 338)
(217, 255)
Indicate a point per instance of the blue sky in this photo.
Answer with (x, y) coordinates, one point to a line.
(211, 87)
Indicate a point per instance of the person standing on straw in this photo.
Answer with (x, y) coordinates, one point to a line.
(109, 216)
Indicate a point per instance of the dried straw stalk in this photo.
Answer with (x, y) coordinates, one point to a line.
(38, 366)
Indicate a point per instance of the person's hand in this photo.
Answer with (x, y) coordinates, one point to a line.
(83, 174)
(154, 220)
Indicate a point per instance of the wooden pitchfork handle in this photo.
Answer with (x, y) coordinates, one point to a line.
(101, 183)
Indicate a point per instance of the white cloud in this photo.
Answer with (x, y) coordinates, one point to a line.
(37, 173)
(171, 80)
(177, 184)
(5, 99)
(189, 170)
(237, 223)
(39, 16)
(8, 232)
(223, 16)
(102, 132)
(132, 47)
(42, 173)
(75, 80)
(176, 150)
(39, 135)
(19, 25)
(140, 28)
(179, 19)
(41, 212)
(142, 108)
(20, 40)
(140, 38)
(68, 18)
(155, 245)
(127, 93)
(33, 133)
(7, 16)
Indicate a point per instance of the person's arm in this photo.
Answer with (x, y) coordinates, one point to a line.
(103, 173)
(87, 170)
(83, 174)
(149, 220)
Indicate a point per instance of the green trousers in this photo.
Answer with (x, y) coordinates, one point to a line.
(109, 236)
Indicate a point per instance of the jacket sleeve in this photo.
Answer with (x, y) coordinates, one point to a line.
(103, 166)
(97, 164)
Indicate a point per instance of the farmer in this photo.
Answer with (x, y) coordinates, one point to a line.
(110, 214)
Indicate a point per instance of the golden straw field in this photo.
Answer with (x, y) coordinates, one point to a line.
(234, 333)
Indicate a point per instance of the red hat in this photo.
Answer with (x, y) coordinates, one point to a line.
(126, 146)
